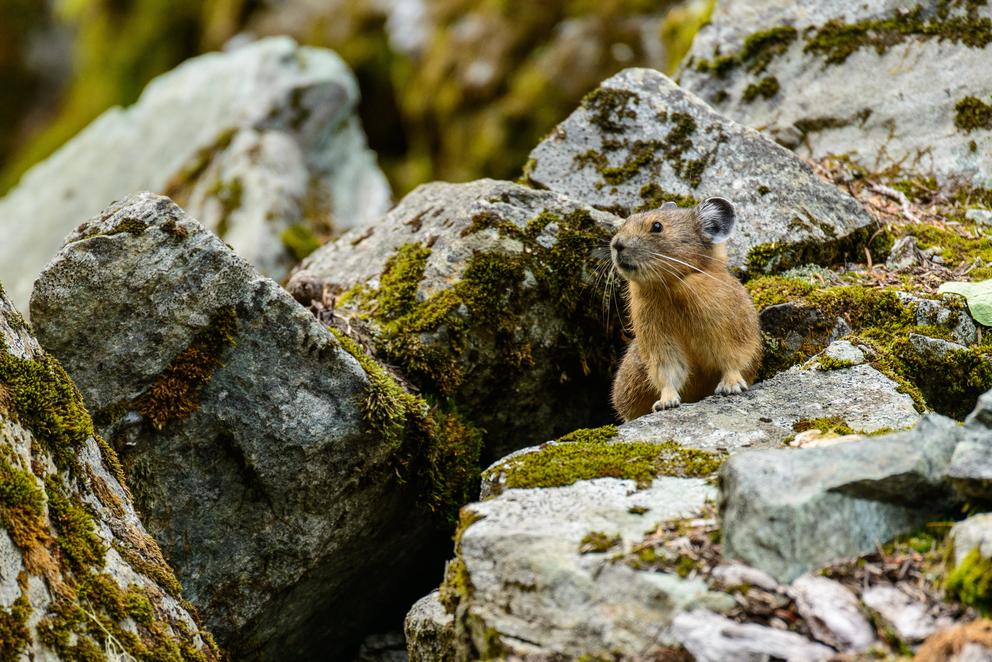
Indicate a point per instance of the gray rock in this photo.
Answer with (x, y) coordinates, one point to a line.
(910, 620)
(972, 652)
(832, 612)
(983, 216)
(933, 347)
(764, 415)
(710, 637)
(429, 630)
(970, 534)
(946, 312)
(384, 647)
(72, 549)
(253, 142)
(903, 255)
(527, 589)
(789, 511)
(640, 138)
(734, 574)
(833, 101)
(241, 422)
(504, 313)
(838, 350)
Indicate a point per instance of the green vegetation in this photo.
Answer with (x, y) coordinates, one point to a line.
(767, 87)
(971, 114)
(756, 53)
(588, 454)
(827, 425)
(770, 258)
(597, 542)
(300, 241)
(970, 582)
(654, 197)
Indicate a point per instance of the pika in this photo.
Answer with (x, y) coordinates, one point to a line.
(695, 327)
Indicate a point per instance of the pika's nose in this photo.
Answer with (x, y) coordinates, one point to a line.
(617, 244)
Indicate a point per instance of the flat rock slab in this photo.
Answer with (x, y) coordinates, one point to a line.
(252, 142)
(711, 637)
(807, 74)
(765, 415)
(533, 592)
(788, 512)
(641, 139)
(240, 421)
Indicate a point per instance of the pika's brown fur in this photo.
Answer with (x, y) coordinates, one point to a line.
(696, 329)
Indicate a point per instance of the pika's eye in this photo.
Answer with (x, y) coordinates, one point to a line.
(656, 227)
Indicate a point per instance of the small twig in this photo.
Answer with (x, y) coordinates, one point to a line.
(898, 196)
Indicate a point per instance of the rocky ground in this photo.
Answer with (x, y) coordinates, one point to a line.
(300, 451)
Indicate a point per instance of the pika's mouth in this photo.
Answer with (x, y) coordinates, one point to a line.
(625, 264)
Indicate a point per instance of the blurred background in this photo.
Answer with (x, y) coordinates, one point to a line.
(452, 89)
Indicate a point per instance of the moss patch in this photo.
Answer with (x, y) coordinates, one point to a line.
(175, 393)
(597, 542)
(756, 53)
(773, 257)
(827, 425)
(654, 197)
(972, 114)
(970, 582)
(591, 454)
(767, 87)
(300, 241)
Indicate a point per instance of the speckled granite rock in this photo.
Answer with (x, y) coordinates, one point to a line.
(876, 80)
(246, 428)
(72, 549)
(255, 142)
(429, 630)
(640, 139)
(484, 293)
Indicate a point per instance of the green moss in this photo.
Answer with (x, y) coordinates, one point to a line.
(300, 241)
(756, 53)
(767, 87)
(970, 582)
(827, 425)
(129, 226)
(608, 108)
(819, 123)
(42, 398)
(230, 196)
(21, 507)
(770, 258)
(836, 40)
(826, 363)
(597, 542)
(14, 634)
(591, 435)
(964, 245)
(971, 114)
(457, 584)
(175, 394)
(654, 197)
(76, 535)
(770, 290)
(592, 454)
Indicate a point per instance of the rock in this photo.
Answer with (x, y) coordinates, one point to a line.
(73, 552)
(734, 574)
(789, 511)
(268, 455)
(710, 637)
(838, 352)
(807, 74)
(982, 216)
(964, 642)
(385, 647)
(971, 534)
(484, 293)
(769, 412)
(521, 585)
(261, 143)
(640, 140)
(903, 255)
(909, 619)
(429, 630)
(833, 613)
(946, 312)
(971, 466)
(930, 347)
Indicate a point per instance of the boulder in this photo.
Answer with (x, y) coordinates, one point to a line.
(80, 578)
(261, 143)
(640, 140)
(275, 462)
(429, 630)
(541, 573)
(711, 637)
(790, 511)
(484, 294)
(807, 74)
(833, 613)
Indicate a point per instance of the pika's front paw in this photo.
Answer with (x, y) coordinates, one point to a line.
(669, 403)
(732, 385)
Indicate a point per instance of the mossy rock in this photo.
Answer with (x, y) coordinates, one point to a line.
(89, 578)
(280, 449)
(487, 295)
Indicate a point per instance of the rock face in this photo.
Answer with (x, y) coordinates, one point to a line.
(807, 74)
(79, 576)
(640, 140)
(532, 583)
(844, 499)
(261, 143)
(269, 457)
(485, 294)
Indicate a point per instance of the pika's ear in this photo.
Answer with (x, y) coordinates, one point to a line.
(668, 205)
(717, 218)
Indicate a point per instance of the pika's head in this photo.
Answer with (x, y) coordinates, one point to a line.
(669, 243)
